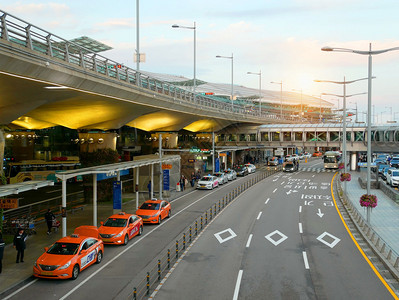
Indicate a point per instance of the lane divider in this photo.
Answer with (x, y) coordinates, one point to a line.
(249, 240)
(238, 283)
(260, 213)
(305, 260)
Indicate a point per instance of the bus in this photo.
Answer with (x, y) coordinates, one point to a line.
(27, 170)
(331, 159)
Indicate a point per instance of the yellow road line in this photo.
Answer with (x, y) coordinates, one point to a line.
(359, 248)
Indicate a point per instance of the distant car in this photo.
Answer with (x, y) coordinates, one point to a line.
(381, 169)
(317, 154)
(118, 229)
(394, 163)
(301, 156)
(295, 157)
(307, 155)
(230, 174)
(70, 255)
(384, 172)
(290, 166)
(241, 170)
(208, 182)
(251, 168)
(154, 211)
(289, 157)
(222, 178)
(393, 177)
(273, 161)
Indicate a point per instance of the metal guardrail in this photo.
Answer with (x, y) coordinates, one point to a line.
(389, 255)
(24, 34)
(185, 239)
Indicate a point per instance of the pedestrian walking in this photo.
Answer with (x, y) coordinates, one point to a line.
(19, 244)
(2, 244)
(192, 179)
(50, 217)
(182, 182)
(149, 187)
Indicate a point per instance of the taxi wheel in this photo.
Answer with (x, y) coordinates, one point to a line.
(169, 213)
(126, 240)
(141, 230)
(99, 257)
(159, 220)
(75, 272)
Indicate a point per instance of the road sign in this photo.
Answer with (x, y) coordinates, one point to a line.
(9, 203)
(166, 183)
(166, 166)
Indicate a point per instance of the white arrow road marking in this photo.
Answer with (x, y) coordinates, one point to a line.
(220, 239)
(320, 214)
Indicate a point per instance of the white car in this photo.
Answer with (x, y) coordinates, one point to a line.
(230, 174)
(208, 182)
(251, 168)
(307, 155)
(393, 177)
(222, 178)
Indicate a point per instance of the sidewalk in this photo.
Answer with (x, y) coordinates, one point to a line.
(14, 273)
(384, 218)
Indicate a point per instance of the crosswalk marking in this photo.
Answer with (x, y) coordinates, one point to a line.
(314, 169)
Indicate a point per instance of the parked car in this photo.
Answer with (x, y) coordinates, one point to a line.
(70, 255)
(118, 229)
(222, 178)
(381, 169)
(317, 154)
(394, 162)
(251, 168)
(393, 177)
(290, 166)
(307, 155)
(273, 161)
(241, 170)
(154, 211)
(384, 172)
(208, 182)
(230, 174)
(288, 157)
(295, 157)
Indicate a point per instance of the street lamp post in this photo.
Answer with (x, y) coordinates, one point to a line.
(194, 28)
(232, 76)
(369, 53)
(281, 96)
(301, 102)
(260, 89)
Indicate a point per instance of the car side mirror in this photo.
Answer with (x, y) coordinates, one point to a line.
(101, 223)
(45, 249)
(83, 251)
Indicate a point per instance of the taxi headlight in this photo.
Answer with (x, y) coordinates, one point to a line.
(35, 264)
(118, 235)
(65, 266)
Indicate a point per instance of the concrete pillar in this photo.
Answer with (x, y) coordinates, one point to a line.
(94, 199)
(2, 145)
(353, 157)
(63, 209)
(137, 188)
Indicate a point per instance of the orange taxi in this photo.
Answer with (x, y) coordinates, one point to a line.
(120, 228)
(70, 255)
(154, 211)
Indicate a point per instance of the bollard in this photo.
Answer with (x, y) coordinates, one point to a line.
(196, 227)
(210, 214)
(219, 205)
(215, 210)
(134, 293)
(177, 249)
(201, 222)
(148, 283)
(184, 241)
(206, 217)
(159, 270)
(189, 237)
(168, 258)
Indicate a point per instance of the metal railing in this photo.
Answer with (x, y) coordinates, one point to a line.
(184, 240)
(389, 256)
(26, 35)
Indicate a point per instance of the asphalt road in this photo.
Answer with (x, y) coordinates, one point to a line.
(123, 267)
(281, 239)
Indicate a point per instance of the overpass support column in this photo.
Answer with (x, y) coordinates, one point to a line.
(353, 161)
(2, 145)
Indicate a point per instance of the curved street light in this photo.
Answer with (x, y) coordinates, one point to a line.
(370, 53)
(232, 75)
(260, 89)
(281, 96)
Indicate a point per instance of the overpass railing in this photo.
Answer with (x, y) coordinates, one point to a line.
(24, 34)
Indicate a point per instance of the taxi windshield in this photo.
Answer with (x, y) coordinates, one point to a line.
(114, 222)
(206, 178)
(151, 206)
(63, 249)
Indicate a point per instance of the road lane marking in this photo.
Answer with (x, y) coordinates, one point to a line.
(305, 260)
(19, 290)
(283, 237)
(218, 235)
(267, 200)
(334, 238)
(274, 190)
(238, 283)
(300, 227)
(249, 240)
(260, 213)
(358, 246)
(300, 208)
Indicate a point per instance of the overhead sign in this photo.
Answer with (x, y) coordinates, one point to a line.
(166, 166)
(191, 160)
(9, 203)
(222, 154)
(197, 150)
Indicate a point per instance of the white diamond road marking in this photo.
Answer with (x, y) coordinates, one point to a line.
(331, 245)
(220, 239)
(275, 243)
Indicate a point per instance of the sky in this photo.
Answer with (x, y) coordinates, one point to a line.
(280, 38)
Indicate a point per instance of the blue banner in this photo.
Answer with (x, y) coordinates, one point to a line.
(117, 195)
(217, 165)
(166, 180)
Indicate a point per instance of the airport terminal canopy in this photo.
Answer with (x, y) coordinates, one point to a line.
(16, 188)
(90, 45)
